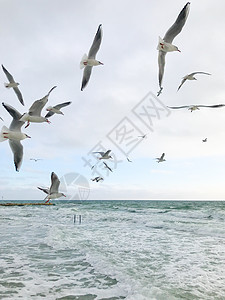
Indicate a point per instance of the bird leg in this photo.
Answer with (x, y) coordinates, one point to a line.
(47, 201)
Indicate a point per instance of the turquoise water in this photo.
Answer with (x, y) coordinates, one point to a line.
(121, 250)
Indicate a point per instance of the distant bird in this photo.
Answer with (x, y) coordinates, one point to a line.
(107, 167)
(161, 158)
(13, 84)
(88, 61)
(97, 179)
(196, 107)
(14, 135)
(205, 140)
(53, 192)
(56, 109)
(104, 155)
(36, 159)
(143, 136)
(165, 44)
(34, 114)
(1, 119)
(190, 77)
(129, 159)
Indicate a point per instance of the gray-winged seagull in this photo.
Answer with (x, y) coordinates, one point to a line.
(14, 135)
(34, 114)
(53, 192)
(161, 158)
(196, 107)
(13, 84)
(165, 44)
(104, 155)
(88, 61)
(56, 109)
(190, 77)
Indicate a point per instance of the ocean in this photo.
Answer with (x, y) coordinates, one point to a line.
(136, 250)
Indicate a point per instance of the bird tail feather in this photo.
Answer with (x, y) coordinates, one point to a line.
(2, 136)
(84, 58)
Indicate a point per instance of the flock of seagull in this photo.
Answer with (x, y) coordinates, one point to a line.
(14, 135)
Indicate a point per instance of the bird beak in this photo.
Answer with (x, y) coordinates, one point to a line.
(178, 50)
(48, 121)
(28, 136)
(101, 63)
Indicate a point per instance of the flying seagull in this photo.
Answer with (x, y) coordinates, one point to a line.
(107, 167)
(56, 109)
(36, 159)
(104, 155)
(205, 140)
(190, 77)
(196, 107)
(53, 192)
(97, 179)
(34, 114)
(14, 135)
(161, 158)
(88, 61)
(13, 84)
(143, 136)
(165, 44)
(129, 159)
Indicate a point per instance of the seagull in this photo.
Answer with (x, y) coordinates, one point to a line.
(34, 114)
(1, 119)
(36, 159)
(161, 158)
(56, 109)
(196, 107)
(191, 77)
(129, 159)
(14, 135)
(88, 61)
(165, 45)
(13, 84)
(53, 192)
(107, 167)
(143, 136)
(104, 155)
(205, 140)
(97, 179)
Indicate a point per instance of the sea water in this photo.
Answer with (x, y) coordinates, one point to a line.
(120, 250)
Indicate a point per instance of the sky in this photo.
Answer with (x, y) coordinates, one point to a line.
(42, 43)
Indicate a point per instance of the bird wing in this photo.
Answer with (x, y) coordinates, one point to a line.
(55, 183)
(59, 106)
(17, 150)
(19, 95)
(107, 152)
(8, 75)
(15, 124)
(37, 106)
(178, 107)
(107, 166)
(161, 64)
(96, 43)
(176, 28)
(162, 156)
(212, 106)
(46, 191)
(86, 76)
(182, 82)
(192, 74)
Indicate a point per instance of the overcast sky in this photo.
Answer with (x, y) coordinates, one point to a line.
(42, 43)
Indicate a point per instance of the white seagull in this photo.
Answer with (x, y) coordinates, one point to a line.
(97, 179)
(165, 44)
(104, 155)
(190, 77)
(53, 192)
(56, 109)
(88, 61)
(196, 107)
(161, 158)
(36, 159)
(13, 84)
(34, 114)
(14, 135)
(205, 140)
